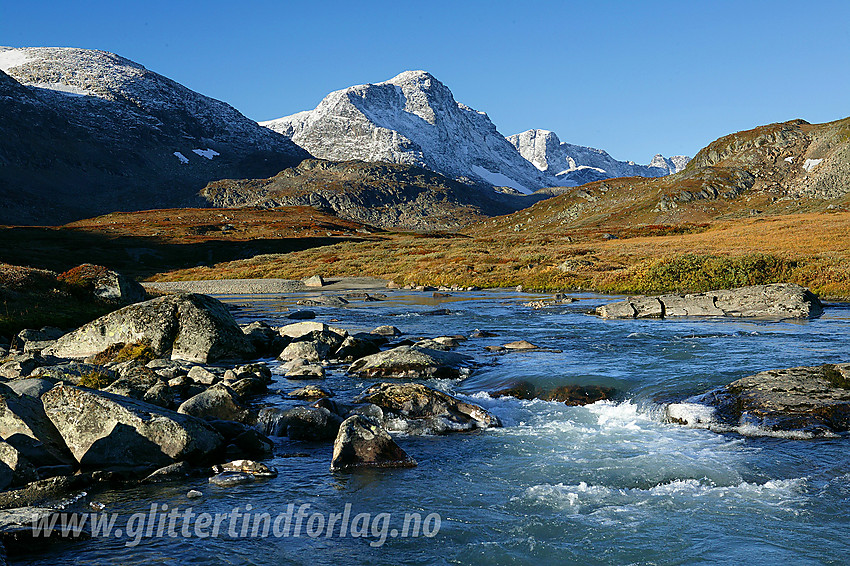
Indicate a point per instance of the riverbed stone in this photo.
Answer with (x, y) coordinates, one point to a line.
(217, 402)
(189, 326)
(363, 443)
(103, 429)
(299, 423)
(411, 362)
(775, 301)
(25, 425)
(811, 399)
(415, 408)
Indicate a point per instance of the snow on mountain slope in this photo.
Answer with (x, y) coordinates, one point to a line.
(77, 121)
(580, 164)
(413, 119)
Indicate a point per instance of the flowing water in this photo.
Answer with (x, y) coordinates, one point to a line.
(608, 483)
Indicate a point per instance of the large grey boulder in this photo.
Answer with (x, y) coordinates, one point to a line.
(102, 429)
(363, 443)
(105, 284)
(778, 300)
(24, 425)
(411, 362)
(189, 327)
(812, 400)
(415, 408)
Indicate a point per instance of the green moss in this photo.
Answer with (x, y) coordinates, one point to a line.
(138, 351)
(95, 379)
(835, 377)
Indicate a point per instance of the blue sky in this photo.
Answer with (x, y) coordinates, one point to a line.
(634, 78)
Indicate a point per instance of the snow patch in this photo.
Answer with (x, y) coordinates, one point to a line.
(69, 90)
(208, 153)
(12, 58)
(498, 179)
(811, 164)
(789, 159)
(183, 159)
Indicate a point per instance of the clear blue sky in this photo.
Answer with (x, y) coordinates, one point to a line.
(634, 78)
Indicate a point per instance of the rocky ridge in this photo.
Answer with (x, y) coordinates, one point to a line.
(575, 165)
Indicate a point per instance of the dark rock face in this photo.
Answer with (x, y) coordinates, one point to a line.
(363, 443)
(411, 362)
(812, 400)
(102, 429)
(117, 143)
(779, 300)
(190, 327)
(418, 409)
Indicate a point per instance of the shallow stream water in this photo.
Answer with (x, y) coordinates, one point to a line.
(608, 483)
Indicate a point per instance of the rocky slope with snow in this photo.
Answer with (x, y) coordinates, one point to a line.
(79, 122)
(576, 165)
(411, 119)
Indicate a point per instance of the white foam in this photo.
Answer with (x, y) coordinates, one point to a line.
(208, 153)
(690, 414)
(183, 159)
(12, 58)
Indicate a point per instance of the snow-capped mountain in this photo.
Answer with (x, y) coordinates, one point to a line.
(578, 164)
(412, 119)
(76, 121)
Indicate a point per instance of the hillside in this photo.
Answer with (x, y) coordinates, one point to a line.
(387, 195)
(76, 121)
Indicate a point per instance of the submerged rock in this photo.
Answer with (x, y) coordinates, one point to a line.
(299, 423)
(812, 400)
(411, 362)
(573, 394)
(102, 429)
(418, 409)
(779, 300)
(363, 443)
(190, 327)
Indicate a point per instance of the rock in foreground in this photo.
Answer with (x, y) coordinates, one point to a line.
(810, 400)
(418, 409)
(190, 327)
(779, 300)
(103, 429)
(363, 443)
(411, 362)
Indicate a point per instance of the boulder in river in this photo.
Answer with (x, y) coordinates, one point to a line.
(24, 425)
(411, 362)
(363, 443)
(190, 327)
(217, 402)
(813, 401)
(102, 429)
(418, 409)
(572, 394)
(299, 423)
(775, 301)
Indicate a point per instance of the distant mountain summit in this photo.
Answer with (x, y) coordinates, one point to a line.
(576, 165)
(411, 119)
(80, 122)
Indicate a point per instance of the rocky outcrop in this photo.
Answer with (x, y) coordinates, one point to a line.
(411, 362)
(106, 430)
(105, 284)
(363, 443)
(810, 400)
(25, 426)
(418, 409)
(189, 327)
(779, 300)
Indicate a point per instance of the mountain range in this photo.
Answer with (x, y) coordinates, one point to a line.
(414, 119)
(84, 122)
